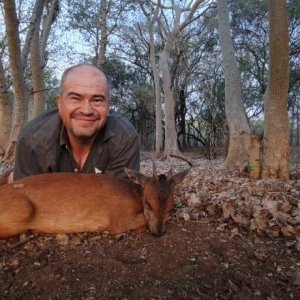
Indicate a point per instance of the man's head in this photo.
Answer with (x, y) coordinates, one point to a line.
(83, 101)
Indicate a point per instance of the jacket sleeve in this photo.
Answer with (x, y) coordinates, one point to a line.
(127, 154)
(30, 158)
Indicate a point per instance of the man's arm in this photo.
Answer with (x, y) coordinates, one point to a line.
(26, 159)
(126, 155)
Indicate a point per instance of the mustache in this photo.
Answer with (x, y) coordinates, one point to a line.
(91, 116)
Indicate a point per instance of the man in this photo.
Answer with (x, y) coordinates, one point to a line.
(81, 135)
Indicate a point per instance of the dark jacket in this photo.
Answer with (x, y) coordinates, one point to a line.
(43, 147)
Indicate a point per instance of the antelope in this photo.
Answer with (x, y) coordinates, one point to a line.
(54, 203)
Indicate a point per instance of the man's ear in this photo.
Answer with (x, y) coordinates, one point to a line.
(58, 100)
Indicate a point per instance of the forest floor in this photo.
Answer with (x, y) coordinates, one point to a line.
(228, 238)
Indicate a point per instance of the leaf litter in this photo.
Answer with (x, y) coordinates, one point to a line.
(268, 207)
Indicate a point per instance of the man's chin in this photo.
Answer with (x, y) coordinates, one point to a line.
(83, 136)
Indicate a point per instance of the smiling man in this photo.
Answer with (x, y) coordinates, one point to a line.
(80, 135)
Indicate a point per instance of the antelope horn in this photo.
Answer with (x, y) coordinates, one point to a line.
(154, 168)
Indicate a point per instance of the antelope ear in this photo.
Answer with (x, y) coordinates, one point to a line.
(178, 178)
(136, 176)
(169, 174)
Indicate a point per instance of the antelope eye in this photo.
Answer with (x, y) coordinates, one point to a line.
(147, 205)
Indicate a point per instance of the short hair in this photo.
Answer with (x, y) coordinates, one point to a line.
(68, 70)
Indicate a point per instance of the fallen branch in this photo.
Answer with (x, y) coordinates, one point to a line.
(183, 158)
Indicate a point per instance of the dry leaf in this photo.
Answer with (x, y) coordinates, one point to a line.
(221, 227)
(287, 230)
(193, 200)
(228, 209)
(271, 206)
(285, 206)
(14, 263)
(62, 239)
(296, 216)
(76, 241)
(210, 208)
(240, 219)
(298, 246)
(23, 237)
(186, 216)
(297, 230)
(259, 223)
(295, 278)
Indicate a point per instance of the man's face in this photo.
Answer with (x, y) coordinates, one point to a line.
(84, 102)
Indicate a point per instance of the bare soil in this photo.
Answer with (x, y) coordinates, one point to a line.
(204, 254)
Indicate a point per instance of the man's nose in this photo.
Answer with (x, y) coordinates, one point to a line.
(86, 107)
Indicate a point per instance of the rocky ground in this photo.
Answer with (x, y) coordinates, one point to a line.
(228, 238)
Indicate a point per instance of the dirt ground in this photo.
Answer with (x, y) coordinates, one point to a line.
(207, 253)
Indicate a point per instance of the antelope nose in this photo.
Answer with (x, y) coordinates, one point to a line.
(159, 234)
(161, 230)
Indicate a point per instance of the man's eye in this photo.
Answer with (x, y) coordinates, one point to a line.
(98, 101)
(74, 98)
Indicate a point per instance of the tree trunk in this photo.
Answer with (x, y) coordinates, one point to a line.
(297, 128)
(34, 24)
(153, 63)
(158, 106)
(5, 114)
(254, 157)
(46, 27)
(103, 35)
(239, 129)
(276, 130)
(37, 103)
(13, 40)
(182, 115)
(171, 146)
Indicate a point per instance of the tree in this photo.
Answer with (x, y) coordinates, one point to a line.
(95, 20)
(276, 129)
(36, 72)
(39, 58)
(13, 40)
(103, 34)
(36, 78)
(151, 19)
(239, 129)
(4, 110)
(249, 27)
(170, 35)
(33, 45)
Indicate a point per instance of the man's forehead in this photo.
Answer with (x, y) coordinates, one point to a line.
(84, 79)
(89, 84)
(82, 72)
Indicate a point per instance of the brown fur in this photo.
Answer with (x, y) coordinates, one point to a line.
(67, 202)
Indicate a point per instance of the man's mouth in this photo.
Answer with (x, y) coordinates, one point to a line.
(85, 118)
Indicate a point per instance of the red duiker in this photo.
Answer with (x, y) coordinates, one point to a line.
(68, 202)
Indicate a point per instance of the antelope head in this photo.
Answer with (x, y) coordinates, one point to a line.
(158, 197)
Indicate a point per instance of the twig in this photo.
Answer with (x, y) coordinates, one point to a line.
(182, 158)
(20, 243)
